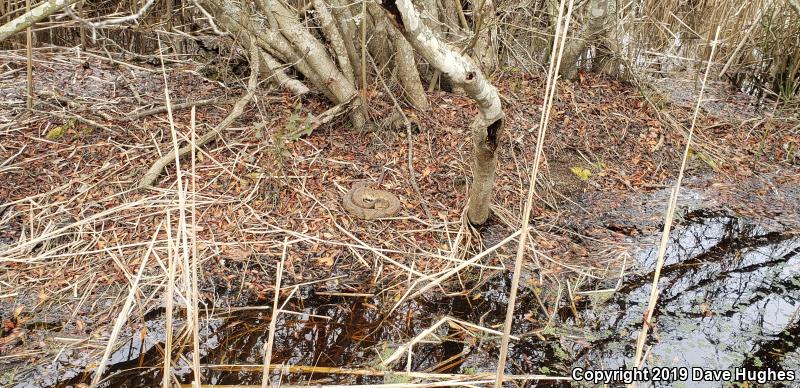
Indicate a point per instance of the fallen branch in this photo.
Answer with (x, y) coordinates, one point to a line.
(152, 174)
(161, 109)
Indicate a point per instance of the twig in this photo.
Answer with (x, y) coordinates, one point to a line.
(407, 125)
(161, 109)
(120, 20)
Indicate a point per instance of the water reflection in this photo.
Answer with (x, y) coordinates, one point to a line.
(729, 298)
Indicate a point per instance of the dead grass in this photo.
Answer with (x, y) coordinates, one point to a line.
(83, 249)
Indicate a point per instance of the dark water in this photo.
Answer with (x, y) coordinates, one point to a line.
(730, 295)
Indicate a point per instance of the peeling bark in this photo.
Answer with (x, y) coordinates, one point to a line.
(487, 126)
(430, 16)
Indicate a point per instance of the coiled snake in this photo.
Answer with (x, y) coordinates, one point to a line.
(370, 204)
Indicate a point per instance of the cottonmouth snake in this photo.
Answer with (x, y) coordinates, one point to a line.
(370, 204)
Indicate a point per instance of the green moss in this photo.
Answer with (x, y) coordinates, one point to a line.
(56, 133)
(581, 172)
(61, 130)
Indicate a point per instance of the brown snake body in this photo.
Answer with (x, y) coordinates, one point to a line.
(370, 204)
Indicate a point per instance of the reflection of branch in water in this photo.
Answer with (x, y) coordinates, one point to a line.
(307, 340)
(757, 294)
(721, 277)
(771, 353)
(725, 246)
(735, 241)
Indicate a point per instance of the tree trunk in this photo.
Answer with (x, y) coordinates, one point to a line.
(407, 72)
(29, 18)
(290, 42)
(606, 48)
(378, 42)
(485, 50)
(344, 19)
(487, 126)
(335, 37)
(590, 34)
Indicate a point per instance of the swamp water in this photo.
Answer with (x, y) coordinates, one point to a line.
(730, 298)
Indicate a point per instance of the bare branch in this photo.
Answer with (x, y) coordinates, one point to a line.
(29, 18)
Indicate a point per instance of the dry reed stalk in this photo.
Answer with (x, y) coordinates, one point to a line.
(195, 271)
(123, 314)
(19, 248)
(451, 383)
(449, 273)
(181, 249)
(744, 39)
(307, 369)
(29, 54)
(169, 302)
(670, 214)
(274, 320)
(555, 64)
(429, 331)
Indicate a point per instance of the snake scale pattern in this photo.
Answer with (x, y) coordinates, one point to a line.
(370, 204)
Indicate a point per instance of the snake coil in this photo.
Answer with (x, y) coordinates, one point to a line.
(370, 204)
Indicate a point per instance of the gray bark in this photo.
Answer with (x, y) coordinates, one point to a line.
(486, 34)
(795, 6)
(317, 57)
(273, 44)
(281, 78)
(328, 26)
(487, 126)
(27, 19)
(344, 20)
(591, 32)
(378, 42)
(407, 72)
